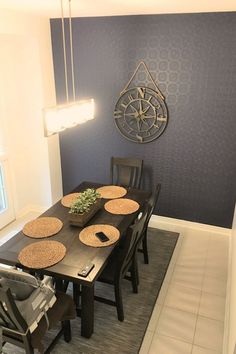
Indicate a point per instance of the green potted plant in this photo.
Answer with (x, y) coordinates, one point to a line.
(83, 209)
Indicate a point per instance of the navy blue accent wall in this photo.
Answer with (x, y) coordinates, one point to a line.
(193, 60)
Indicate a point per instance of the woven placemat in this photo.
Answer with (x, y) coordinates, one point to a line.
(121, 206)
(88, 237)
(42, 227)
(42, 254)
(69, 199)
(112, 192)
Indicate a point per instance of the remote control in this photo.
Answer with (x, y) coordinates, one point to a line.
(86, 269)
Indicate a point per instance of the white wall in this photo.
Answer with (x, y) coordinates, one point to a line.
(27, 85)
(231, 308)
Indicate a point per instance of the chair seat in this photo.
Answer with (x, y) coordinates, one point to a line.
(29, 307)
(63, 310)
(31, 311)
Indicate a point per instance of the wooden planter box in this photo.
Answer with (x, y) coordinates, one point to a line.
(82, 219)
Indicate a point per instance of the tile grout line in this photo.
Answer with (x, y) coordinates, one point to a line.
(150, 344)
(162, 304)
(203, 278)
(177, 250)
(181, 340)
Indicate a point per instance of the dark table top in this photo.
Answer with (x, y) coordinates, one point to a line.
(77, 253)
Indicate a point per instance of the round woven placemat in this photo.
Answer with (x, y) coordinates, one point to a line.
(42, 254)
(69, 199)
(121, 206)
(112, 192)
(42, 227)
(88, 237)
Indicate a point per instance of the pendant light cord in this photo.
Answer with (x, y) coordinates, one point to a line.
(64, 50)
(71, 51)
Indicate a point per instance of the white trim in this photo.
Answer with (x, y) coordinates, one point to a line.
(229, 329)
(180, 224)
(31, 208)
(227, 301)
(7, 214)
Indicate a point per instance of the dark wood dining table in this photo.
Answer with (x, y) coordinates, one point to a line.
(77, 253)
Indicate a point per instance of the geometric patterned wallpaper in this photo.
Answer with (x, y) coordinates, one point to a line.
(192, 58)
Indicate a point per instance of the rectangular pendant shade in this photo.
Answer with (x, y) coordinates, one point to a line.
(61, 117)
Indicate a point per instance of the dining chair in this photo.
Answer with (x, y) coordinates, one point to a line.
(143, 238)
(120, 263)
(126, 172)
(24, 316)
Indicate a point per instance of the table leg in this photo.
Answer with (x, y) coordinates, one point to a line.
(87, 311)
(59, 284)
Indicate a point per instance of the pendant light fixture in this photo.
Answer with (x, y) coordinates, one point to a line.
(73, 112)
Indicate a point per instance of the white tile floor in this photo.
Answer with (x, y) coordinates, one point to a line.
(188, 317)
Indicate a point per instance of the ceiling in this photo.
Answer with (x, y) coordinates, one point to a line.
(80, 8)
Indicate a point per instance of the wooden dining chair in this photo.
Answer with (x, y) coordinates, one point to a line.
(126, 172)
(121, 262)
(141, 241)
(143, 238)
(14, 320)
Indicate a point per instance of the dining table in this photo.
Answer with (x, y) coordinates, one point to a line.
(77, 253)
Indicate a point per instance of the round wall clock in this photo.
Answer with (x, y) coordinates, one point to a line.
(141, 114)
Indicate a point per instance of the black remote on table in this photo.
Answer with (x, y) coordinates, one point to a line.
(85, 270)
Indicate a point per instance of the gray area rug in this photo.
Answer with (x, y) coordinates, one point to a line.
(111, 336)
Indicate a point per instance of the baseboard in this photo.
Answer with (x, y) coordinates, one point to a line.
(29, 209)
(227, 302)
(181, 224)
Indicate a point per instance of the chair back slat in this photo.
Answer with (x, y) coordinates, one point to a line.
(149, 208)
(5, 320)
(126, 172)
(124, 175)
(10, 314)
(143, 236)
(126, 250)
(152, 203)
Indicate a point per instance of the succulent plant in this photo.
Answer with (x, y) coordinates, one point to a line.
(84, 201)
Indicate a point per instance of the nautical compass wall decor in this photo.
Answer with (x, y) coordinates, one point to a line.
(140, 112)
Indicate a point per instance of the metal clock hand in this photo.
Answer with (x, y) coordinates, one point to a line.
(133, 108)
(145, 110)
(140, 107)
(147, 117)
(143, 121)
